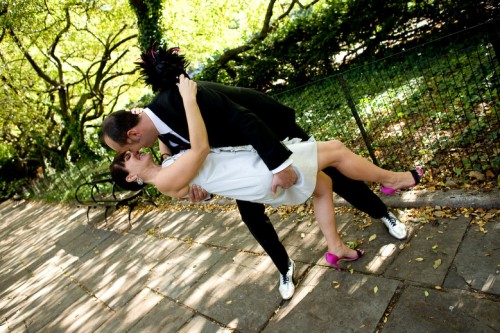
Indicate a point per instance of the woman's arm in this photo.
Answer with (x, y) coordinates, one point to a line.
(174, 180)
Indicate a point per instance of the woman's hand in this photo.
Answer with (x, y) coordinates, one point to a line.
(136, 110)
(187, 88)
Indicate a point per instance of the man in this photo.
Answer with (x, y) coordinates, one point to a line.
(233, 116)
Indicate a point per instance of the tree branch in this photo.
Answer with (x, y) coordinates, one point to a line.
(32, 62)
(266, 29)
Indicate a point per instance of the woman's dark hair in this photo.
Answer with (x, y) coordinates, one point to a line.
(119, 173)
(116, 125)
(160, 68)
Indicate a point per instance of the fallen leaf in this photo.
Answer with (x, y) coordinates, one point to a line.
(375, 290)
(372, 237)
(437, 263)
(477, 175)
(229, 302)
(426, 293)
(420, 259)
(490, 174)
(438, 287)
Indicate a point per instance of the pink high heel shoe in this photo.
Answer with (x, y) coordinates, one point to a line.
(417, 174)
(333, 260)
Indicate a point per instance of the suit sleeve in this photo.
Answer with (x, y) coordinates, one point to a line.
(231, 124)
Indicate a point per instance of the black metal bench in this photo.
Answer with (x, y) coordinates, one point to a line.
(102, 191)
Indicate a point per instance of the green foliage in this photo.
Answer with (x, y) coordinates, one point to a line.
(149, 16)
(204, 29)
(60, 186)
(63, 69)
(316, 41)
(427, 107)
(64, 66)
(13, 174)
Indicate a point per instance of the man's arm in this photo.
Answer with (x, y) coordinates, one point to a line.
(247, 128)
(230, 124)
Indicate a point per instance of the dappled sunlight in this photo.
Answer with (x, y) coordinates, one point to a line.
(409, 196)
(380, 103)
(205, 274)
(354, 287)
(122, 288)
(315, 276)
(458, 304)
(490, 281)
(181, 225)
(232, 323)
(208, 293)
(84, 315)
(381, 257)
(226, 292)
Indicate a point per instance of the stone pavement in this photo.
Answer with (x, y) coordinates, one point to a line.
(199, 270)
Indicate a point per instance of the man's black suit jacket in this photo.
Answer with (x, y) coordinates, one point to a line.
(233, 117)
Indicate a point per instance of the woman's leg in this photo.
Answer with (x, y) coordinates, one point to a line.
(357, 193)
(335, 154)
(325, 215)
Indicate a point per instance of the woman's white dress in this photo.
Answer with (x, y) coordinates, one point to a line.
(239, 173)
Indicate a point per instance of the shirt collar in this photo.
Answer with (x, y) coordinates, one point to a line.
(159, 124)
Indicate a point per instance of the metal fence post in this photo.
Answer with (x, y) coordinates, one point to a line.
(354, 111)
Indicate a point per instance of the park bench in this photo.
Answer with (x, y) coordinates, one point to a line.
(102, 191)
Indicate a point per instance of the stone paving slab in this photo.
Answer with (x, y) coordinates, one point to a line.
(182, 269)
(202, 325)
(18, 295)
(170, 316)
(48, 306)
(381, 249)
(477, 263)
(330, 301)
(304, 240)
(443, 312)
(131, 313)
(201, 271)
(237, 291)
(431, 242)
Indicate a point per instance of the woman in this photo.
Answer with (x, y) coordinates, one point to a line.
(219, 171)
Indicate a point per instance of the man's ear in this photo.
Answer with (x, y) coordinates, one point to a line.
(131, 178)
(133, 134)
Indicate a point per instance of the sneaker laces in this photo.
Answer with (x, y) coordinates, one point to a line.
(285, 277)
(392, 220)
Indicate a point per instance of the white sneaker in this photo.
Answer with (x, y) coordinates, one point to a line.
(396, 228)
(287, 288)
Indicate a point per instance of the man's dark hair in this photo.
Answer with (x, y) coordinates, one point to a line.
(160, 68)
(119, 173)
(116, 125)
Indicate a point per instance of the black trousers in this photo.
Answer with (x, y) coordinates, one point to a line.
(357, 193)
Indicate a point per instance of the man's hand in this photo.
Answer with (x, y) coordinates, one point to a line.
(285, 178)
(197, 193)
